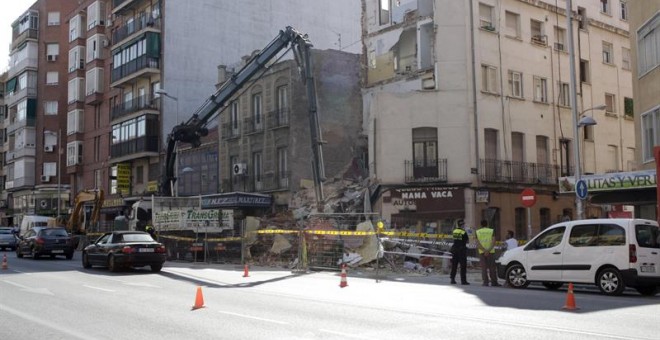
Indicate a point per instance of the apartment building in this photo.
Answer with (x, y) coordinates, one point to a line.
(265, 144)
(644, 19)
(161, 53)
(468, 102)
(4, 204)
(36, 106)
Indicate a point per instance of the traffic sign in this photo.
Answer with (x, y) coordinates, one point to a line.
(528, 197)
(581, 189)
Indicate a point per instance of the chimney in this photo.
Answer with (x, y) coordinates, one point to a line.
(222, 73)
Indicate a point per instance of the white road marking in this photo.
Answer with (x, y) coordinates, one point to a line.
(141, 284)
(43, 291)
(29, 317)
(98, 288)
(254, 317)
(16, 284)
(343, 334)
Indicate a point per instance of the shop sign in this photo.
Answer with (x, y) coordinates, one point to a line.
(124, 178)
(428, 198)
(645, 179)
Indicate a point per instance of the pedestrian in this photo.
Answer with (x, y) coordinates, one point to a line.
(459, 252)
(486, 249)
(510, 241)
(150, 229)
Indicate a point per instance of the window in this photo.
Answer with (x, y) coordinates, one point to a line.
(584, 71)
(53, 18)
(628, 108)
(384, 14)
(75, 90)
(588, 132)
(540, 89)
(95, 14)
(49, 169)
(548, 239)
(647, 236)
(256, 110)
(650, 133)
(565, 157)
(256, 170)
(235, 116)
(74, 122)
(94, 81)
(512, 24)
(564, 94)
(610, 103)
(625, 58)
(489, 78)
(21, 111)
(76, 59)
(544, 216)
(520, 221)
(75, 28)
(582, 17)
(282, 98)
(282, 167)
(538, 37)
(94, 47)
(52, 51)
(50, 107)
(155, 86)
(425, 152)
(73, 153)
(605, 6)
(624, 10)
(597, 235)
(516, 84)
(486, 17)
(560, 39)
(648, 46)
(51, 78)
(139, 174)
(608, 58)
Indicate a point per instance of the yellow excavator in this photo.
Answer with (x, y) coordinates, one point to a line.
(76, 223)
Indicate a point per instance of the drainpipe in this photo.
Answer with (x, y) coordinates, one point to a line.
(474, 93)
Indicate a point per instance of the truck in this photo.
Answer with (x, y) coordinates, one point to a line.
(192, 130)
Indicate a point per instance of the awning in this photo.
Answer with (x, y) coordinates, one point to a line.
(627, 197)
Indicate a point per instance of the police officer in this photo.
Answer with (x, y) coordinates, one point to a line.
(486, 248)
(459, 252)
(150, 230)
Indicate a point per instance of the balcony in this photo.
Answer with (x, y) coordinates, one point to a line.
(253, 125)
(140, 66)
(278, 118)
(27, 63)
(22, 37)
(132, 106)
(229, 131)
(18, 124)
(268, 182)
(145, 144)
(121, 5)
(16, 96)
(22, 152)
(431, 171)
(498, 171)
(140, 22)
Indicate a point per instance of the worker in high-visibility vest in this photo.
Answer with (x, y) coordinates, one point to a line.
(486, 249)
(459, 252)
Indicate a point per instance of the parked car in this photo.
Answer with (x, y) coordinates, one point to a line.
(40, 241)
(7, 239)
(124, 249)
(610, 253)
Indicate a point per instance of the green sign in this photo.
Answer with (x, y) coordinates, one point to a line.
(646, 179)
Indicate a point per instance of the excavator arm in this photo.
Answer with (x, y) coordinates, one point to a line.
(195, 128)
(75, 225)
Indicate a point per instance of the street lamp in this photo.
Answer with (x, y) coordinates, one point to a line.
(164, 93)
(583, 122)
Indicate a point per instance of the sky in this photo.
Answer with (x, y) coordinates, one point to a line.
(11, 9)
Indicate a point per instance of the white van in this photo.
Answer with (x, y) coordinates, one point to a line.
(30, 221)
(611, 253)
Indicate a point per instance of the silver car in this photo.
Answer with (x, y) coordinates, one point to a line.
(7, 239)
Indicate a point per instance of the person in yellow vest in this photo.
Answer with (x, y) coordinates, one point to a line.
(459, 252)
(486, 249)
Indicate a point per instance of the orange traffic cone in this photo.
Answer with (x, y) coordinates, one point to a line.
(199, 299)
(4, 262)
(245, 271)
(570, 299)
(343, 282)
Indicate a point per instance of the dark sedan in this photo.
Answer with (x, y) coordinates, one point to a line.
(123, 249)
(45, 241)
(7, 238)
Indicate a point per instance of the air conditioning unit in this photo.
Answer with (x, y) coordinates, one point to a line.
(45, 179)
(51, 57)
(239, 169)
(106, 42)
(48, 148)
(109, 23)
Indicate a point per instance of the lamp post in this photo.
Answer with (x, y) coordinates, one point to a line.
(584, 121)
(164, 93)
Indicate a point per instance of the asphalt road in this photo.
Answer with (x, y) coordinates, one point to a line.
(58, 299)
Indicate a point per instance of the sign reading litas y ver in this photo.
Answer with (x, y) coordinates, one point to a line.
(612, 181)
